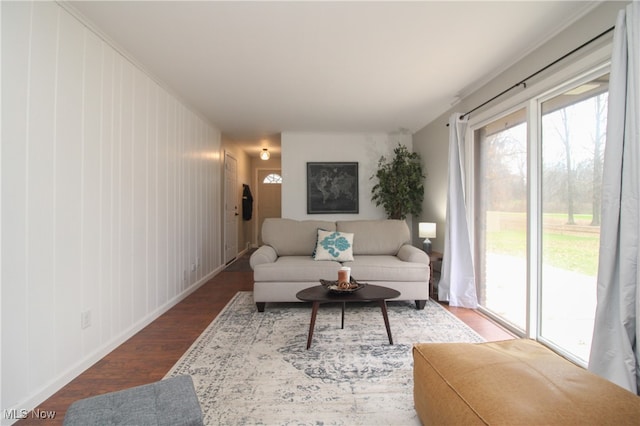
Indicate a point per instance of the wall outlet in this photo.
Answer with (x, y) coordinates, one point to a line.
(193, 267)
(85, 319)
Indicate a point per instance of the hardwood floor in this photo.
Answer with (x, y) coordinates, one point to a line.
(484, 326)
(148, 355)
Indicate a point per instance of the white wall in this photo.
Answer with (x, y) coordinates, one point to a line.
(366, 149)
(432, 141)
(110, 195)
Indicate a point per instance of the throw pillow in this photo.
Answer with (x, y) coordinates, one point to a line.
(315, 247)
(332, 245)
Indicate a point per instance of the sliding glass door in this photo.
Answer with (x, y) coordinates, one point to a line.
(501, 219)
(536, 205)
(573, 140)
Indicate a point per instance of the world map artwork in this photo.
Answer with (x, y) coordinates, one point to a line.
(332, 188)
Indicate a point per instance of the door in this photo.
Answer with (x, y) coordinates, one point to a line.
(537, 202)
(501, 218)
(574, 124)
(230, 208)
(269, 197)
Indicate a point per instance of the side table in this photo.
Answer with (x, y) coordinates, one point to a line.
(436, 257)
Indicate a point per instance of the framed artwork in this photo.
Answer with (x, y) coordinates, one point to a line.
(332, 188)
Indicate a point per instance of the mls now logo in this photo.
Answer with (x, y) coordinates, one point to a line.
(20, 414)
(15, 414)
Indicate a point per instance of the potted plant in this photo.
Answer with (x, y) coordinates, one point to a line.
(400, 187)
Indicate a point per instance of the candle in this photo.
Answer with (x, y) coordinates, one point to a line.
(344, 274)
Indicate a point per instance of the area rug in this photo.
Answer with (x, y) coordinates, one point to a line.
(252, 368)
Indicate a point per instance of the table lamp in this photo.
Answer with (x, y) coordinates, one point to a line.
(427, 230)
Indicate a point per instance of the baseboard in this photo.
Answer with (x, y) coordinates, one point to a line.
(65, 378)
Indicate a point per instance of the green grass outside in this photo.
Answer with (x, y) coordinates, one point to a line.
(562, 217)
(569, 252)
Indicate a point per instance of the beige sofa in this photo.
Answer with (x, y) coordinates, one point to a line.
(382, 255)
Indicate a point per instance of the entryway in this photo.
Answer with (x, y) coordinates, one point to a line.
(269, 197)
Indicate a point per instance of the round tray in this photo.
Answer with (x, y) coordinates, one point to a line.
(332, 286)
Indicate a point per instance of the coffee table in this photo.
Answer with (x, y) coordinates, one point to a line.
(370, 293)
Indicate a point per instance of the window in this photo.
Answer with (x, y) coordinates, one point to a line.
(501, 229)
(573, 138)
(272, 178)
(536, 203)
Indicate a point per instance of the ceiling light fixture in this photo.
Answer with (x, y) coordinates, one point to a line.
(265, 154)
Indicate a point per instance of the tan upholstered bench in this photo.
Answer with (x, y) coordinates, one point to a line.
(514, 382)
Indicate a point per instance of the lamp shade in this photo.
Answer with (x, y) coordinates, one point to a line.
(427, 230)
(265, 154)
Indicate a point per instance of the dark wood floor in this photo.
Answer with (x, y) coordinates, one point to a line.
(149, 355)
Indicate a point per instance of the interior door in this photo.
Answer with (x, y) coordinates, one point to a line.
(230, 208)
(269, 197)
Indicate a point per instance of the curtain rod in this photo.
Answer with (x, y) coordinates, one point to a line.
(523, 82)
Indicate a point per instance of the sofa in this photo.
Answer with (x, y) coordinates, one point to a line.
(513, 382)
(377, 251)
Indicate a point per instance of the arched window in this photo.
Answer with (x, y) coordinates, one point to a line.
(272, 178)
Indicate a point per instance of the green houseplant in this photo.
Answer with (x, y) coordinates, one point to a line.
(400, 187)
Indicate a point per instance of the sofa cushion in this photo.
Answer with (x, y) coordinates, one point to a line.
(291, 237)
(387, 268)
(334, 245)
(376, 237)
(296, 268)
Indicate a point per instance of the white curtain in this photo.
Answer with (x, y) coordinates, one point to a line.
(457, 282)
(615, 350)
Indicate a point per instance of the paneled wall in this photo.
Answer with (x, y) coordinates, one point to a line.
(110, 200)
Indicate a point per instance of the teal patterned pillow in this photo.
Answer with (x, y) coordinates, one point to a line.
(332, 245)
(315, 246)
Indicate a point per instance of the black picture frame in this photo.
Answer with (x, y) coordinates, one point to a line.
(332, 187)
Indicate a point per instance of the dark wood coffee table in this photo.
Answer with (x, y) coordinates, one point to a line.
(370, 293)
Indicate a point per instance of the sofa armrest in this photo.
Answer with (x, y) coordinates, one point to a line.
(265, 254)
(409, 253)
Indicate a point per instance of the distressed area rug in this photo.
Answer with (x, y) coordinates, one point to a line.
(252, 368)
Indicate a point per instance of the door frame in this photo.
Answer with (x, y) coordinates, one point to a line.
(226, 230)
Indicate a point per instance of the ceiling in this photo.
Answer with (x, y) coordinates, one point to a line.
(255, 69)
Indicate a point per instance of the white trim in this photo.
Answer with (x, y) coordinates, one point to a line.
(585, 77)
(534, 221)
